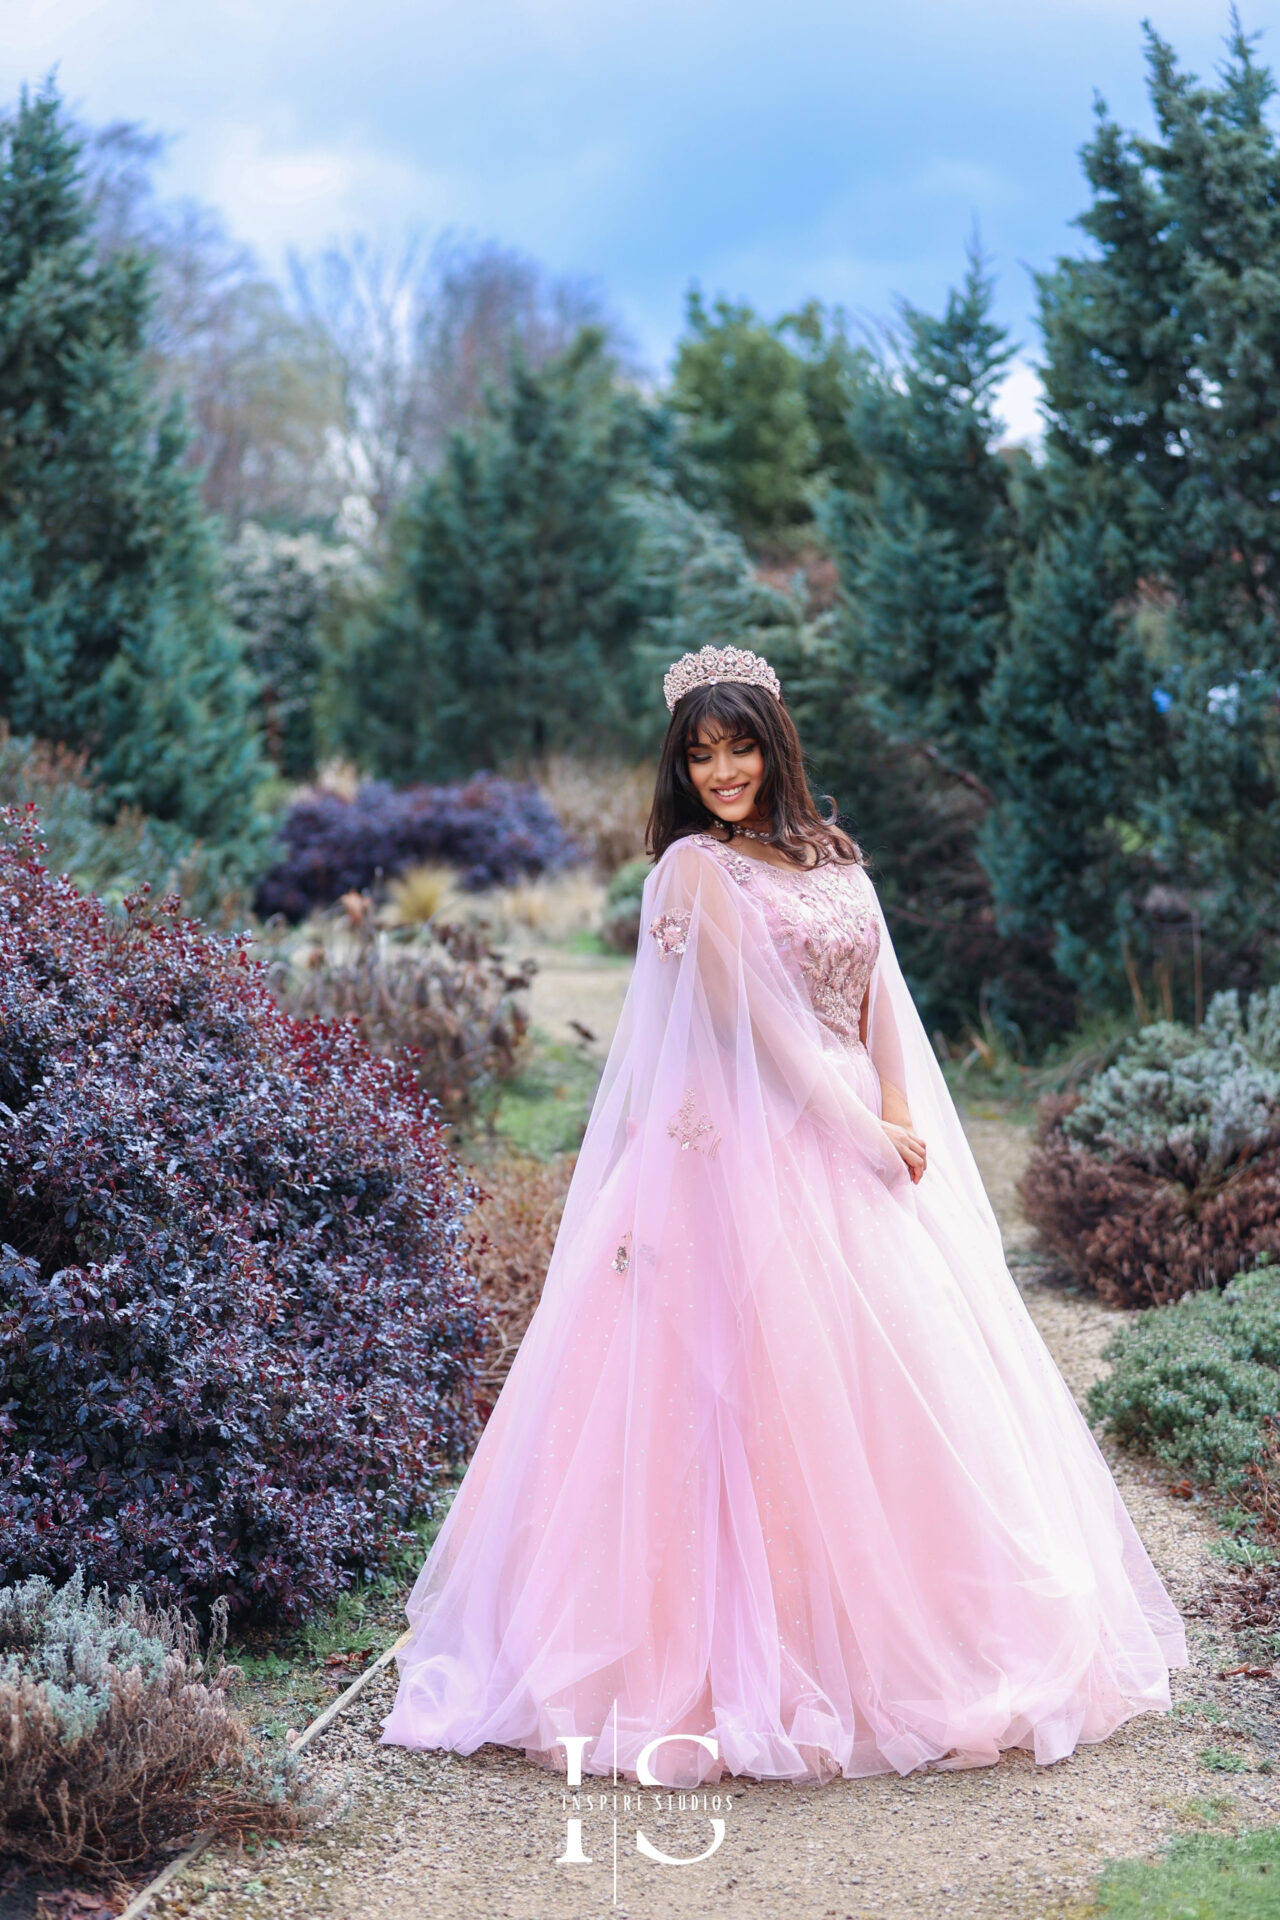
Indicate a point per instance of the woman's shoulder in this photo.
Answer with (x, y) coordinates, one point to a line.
(692, 847)
(694, 851)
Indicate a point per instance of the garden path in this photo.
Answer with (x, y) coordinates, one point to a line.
(420, 1835)
(573, 991)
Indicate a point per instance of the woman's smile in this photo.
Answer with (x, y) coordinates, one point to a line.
(727, 771)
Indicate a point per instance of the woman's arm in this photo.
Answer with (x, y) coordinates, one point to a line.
(895, 1114)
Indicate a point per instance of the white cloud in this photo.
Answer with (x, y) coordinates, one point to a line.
(277, 193)
(1018, 405)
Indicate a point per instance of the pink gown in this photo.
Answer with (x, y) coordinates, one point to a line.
(782, 1460)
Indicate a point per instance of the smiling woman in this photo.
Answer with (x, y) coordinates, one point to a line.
(783, 1480)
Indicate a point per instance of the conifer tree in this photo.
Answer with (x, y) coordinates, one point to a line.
(110, 637)
(1136, 706)
(506, 629)
(741, 390)
(924, 551)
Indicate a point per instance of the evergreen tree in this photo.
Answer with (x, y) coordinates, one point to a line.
(741, 390)
(924, 551)
(507, 626)
(1136, 707)
(921, 822)
(109, 634)
(286, 595)
(700, 589)
(833, 374)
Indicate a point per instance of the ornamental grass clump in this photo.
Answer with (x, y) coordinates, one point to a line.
(238, 1335)
(1163, 1175)
(447, 998)
(491, 831)
(116, 1735)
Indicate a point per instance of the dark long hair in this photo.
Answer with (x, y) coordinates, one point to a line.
(732, 709)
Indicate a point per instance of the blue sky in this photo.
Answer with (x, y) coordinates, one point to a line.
(842, 148)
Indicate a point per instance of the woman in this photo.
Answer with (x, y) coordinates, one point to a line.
(782, 1461)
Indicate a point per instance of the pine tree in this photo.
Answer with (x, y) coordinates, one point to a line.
(742, 392)
(506, 629)
(109, 634)
(1136, 708)
(924, 551)
(833, 374)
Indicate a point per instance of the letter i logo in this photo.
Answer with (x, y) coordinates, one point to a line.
(574, 1745)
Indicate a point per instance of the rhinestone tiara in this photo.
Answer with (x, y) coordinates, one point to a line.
(711, 664)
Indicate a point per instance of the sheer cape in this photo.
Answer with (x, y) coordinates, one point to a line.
(782, 1459)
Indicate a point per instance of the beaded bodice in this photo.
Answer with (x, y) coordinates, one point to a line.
(825, 918)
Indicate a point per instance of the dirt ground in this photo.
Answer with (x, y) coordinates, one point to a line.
(434, 1834)
(573, 991)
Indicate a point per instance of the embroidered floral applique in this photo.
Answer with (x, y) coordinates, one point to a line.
(622, 1257)
(693, 1130)
(671, 930)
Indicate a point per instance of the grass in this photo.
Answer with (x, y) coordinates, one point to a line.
(588, 941)
(1203, 1876)
(288, 1681)
(1220, 1760)
(986, 1067)
(544, 1109)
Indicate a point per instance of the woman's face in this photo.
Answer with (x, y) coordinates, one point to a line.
(726, 772)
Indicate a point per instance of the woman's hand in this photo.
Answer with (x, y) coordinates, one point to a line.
(906, 1142)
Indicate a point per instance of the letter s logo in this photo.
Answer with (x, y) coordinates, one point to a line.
(644, 1845)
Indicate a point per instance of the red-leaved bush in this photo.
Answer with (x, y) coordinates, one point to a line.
(238, 1337)
(1142, 1236)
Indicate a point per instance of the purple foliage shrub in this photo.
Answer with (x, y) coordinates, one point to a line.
(238, 1335)
(494, 831)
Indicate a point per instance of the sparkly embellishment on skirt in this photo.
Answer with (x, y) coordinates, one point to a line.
(693, 1130)
(622, 1258)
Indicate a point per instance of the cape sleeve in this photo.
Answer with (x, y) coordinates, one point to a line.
(717, 1060)
(904, 1057)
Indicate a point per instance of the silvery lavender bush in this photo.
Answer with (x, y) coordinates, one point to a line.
(116, 1734)
(1163, 1176)
(1190, 1104)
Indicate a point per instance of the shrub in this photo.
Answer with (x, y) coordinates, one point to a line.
(114, 857)
(1190, 1105)
(603, 805)
(516, 1221)
(237, 1333)
(620, 923)
(1197, 1383)
(494, 831)
(1194, 1381)
(1163, 1175)
(115, 1735)
(447, 996)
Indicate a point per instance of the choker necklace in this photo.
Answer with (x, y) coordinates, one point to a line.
(750, 833)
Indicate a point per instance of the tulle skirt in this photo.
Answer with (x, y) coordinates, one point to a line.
(827, 1502)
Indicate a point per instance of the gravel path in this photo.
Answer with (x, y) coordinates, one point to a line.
(434, 1834)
